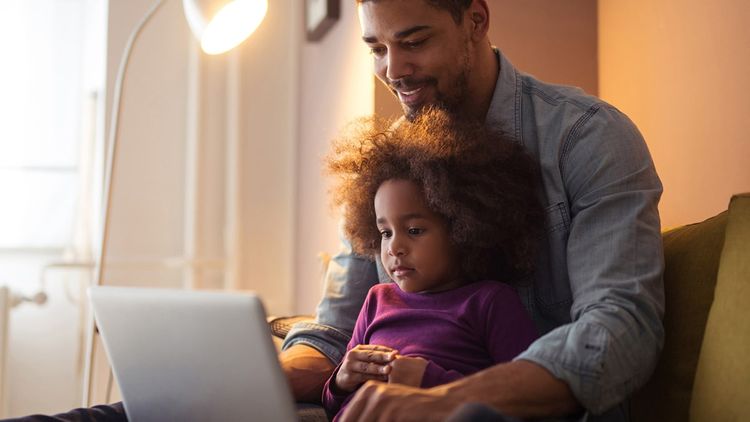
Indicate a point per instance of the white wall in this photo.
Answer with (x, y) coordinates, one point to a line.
(268, 129)
(335, 86)
(148, 194)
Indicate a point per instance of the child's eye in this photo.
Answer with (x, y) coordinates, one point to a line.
(415, 231)
(385, 234)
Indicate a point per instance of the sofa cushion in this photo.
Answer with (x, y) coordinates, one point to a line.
(691, 255)
(722, 380)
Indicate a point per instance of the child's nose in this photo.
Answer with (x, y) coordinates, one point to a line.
(396, 248)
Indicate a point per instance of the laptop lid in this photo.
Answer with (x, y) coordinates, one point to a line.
(182, 355)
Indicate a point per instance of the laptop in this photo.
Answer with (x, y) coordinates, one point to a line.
(182, 355)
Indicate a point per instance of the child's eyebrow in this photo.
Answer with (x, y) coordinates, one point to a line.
(405, 217)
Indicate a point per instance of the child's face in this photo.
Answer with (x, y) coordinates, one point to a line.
(415, 245)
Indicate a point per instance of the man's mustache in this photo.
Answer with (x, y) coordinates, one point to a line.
(408, 83)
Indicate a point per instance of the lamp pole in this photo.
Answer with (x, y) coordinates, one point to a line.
(107, 194)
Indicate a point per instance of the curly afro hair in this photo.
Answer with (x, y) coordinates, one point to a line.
(483, 184)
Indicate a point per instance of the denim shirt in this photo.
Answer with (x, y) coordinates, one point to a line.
(597, 293)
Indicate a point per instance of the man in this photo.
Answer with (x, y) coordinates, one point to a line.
(597, 295)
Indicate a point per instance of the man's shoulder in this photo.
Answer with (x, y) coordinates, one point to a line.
(556, 109)
(557, 94)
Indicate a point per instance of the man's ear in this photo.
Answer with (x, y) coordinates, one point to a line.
(478, 15)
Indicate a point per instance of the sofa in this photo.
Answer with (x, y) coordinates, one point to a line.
(703, 373)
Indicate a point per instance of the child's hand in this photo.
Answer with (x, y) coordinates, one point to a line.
(362, 363)
(407, 371)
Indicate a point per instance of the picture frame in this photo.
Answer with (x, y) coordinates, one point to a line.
(320, 16)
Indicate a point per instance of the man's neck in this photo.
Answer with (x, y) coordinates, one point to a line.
(484, 79)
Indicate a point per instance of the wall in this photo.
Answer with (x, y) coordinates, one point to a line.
(335, 86)
(267, 102)
(148, 193)
(680, 70)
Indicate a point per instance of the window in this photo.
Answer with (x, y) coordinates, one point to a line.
(51, 84)
(51, 80)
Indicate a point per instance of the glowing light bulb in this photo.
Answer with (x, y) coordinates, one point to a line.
(232, 24)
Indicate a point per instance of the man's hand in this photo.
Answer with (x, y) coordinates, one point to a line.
(376, 401)
(407, 370)
(362, 363)
(307, 371)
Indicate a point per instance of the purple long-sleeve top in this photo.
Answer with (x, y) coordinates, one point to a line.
(458, 331)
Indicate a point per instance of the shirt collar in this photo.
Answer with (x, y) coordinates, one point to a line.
(504, 113)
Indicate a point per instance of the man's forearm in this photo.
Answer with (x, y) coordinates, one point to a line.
(307, 371)
(521, 388)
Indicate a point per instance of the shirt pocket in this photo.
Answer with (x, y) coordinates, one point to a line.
(551, 282)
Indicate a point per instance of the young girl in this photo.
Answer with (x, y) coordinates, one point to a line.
(450, 209)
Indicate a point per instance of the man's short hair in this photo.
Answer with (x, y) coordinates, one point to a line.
(455, 7)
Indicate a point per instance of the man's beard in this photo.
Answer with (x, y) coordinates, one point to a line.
(452, 102)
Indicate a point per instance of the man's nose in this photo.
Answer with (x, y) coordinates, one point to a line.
(397, 65)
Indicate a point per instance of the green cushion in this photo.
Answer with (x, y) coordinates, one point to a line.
(722, 379)
(691, 255)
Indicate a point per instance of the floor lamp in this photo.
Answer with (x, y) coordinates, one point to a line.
(220, 25)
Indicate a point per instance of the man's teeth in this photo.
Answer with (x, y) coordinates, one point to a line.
(411, 92)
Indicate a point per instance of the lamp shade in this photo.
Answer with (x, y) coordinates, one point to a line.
(222, 24)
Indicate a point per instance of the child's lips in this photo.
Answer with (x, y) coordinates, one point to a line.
(401, 271)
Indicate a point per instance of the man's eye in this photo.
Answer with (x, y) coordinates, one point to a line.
(377, 51)
(415, 231)
(414, 44)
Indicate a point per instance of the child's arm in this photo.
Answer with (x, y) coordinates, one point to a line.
(361, 363)
(420, 372)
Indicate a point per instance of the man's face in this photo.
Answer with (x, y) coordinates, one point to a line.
(419, 52)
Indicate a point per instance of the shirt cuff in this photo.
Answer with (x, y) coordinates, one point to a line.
(327, 340)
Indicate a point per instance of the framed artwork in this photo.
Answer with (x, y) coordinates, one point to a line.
(320, 16)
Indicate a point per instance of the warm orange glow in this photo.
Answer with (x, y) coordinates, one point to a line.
(679, 70)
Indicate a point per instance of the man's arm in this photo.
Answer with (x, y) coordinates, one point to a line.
(520, 388)
(614, 264)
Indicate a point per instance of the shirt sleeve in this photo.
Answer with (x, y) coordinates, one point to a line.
(333, 399)
(615, 264)
(348, 278)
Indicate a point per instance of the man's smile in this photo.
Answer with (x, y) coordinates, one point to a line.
(411, 93)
